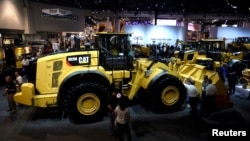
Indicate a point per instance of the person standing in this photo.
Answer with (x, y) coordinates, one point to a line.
(211, 90)
(232, 81)
(122, 118)
(203, 90)
(223, 72)
(193, 94)
(25, 65)
(9, 91)
(48, 49)
(112, 103)
(39, 52)
(204, 84)
(18, 81)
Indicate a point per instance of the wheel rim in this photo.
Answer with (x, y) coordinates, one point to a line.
(88, 104)
(170, 95)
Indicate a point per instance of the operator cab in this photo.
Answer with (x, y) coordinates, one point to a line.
(115, 50)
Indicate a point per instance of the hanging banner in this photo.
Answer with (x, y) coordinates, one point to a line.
(56, 12)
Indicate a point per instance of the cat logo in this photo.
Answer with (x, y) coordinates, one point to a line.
(78, 60)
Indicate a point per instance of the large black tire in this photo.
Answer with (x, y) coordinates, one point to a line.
(168, 95)
(86, 103)
(238, 66)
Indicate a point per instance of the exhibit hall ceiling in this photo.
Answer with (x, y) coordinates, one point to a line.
(236, 9)
(159, 6)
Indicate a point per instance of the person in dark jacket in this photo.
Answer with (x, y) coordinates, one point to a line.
(113, 100)
(232, 81)
(9, 91)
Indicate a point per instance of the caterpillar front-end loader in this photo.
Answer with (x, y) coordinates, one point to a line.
(79, 81)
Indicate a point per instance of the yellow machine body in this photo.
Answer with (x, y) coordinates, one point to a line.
(197, 72)
(79, 81)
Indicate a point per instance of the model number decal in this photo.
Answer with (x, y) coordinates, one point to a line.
(78, 60)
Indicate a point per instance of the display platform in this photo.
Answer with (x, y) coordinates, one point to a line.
(241, 92)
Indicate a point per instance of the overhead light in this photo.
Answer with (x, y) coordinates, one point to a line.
(224, 25)
(215, 20)
(234, 7)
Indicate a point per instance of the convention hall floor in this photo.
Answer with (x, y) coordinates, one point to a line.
(33, 124)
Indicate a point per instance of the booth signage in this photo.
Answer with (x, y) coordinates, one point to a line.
(8, 41)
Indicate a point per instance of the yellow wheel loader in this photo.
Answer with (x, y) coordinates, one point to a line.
(78, 81)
